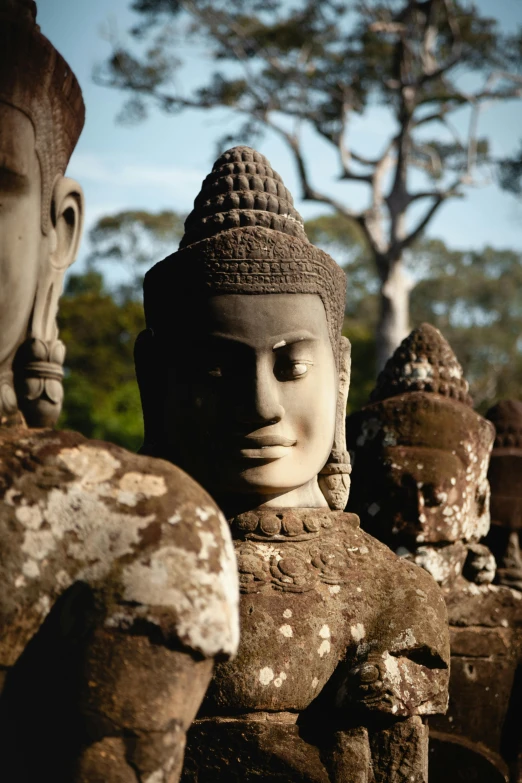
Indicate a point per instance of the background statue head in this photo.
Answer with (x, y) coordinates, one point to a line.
(41, 116)
(505, 478)
(420, 451)
(243, 370)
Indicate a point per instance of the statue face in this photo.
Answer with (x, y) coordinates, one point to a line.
(505, 535)
(256, 415)
(22, 245)
(505, 478)
(433, 495)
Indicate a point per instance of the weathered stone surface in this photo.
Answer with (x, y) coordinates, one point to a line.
(400, 753)
(340, 639)
(118, 583)
(505, 478)
(119, 589)
(420, 460)
(325, 634)
(485, 706)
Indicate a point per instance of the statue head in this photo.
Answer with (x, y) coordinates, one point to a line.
(41, 116)
(505, 478)
(243, 370)
(420, 451)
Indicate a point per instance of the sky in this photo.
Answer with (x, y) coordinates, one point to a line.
(160, 163)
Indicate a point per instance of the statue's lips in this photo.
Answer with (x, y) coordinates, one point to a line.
(265, 446)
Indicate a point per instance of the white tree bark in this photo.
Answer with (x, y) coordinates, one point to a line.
(394, 323)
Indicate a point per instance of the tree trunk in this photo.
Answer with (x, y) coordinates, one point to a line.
(394, 321)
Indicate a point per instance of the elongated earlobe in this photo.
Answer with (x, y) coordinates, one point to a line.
(334, 478)
(38, 367)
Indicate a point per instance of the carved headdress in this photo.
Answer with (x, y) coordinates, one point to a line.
(44, 88)
(507, 418)
(244, 236)
(421, 400)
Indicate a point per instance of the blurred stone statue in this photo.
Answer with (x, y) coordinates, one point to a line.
(244, 376)
(118, 582)
(505, 478)
(420, 462)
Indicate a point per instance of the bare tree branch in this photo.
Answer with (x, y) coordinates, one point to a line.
(309, 192)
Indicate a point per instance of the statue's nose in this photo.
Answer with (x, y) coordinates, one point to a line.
(261, 403)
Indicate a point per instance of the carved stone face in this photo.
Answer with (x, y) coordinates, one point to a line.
(505, 535)
(22, 244)
(505, 478)
(256, 415)
(433, 495)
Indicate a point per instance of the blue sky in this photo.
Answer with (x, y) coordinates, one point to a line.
(160, 163)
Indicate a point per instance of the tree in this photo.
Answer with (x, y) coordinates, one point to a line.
(285, 66)
(101, 394)
(472, 297)
(133, 240)
(510, 173)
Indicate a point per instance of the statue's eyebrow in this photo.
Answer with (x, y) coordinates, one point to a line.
(295, 337)
(13, 164)
(280, 341)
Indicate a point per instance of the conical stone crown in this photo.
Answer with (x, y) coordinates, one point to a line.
(242, 190)
(424, 361)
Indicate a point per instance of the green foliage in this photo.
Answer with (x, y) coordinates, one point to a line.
(510, 173)
(474, 299)
(99, 322)
(101, 394)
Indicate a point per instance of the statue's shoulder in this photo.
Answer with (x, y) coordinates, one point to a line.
(409, 606)
(136, 527)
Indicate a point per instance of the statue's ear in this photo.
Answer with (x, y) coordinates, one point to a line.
(67, 213)
(152, 384)
(334, 478)
(38, 364)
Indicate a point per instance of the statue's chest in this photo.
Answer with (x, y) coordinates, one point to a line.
(301, 613)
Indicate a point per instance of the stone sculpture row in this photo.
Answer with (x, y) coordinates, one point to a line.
(420, 484)
(123, 588)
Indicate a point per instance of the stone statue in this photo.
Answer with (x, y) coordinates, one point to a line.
(244, 377)
(118, 583)
(420, 460)
(505, 478)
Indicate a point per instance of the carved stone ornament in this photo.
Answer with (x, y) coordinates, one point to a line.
(291, 569)
(420, 457)
(118, 581)
(42, 115)
(243, 237)
(505, 478)
(343, 646)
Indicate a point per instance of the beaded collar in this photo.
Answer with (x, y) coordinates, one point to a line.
(280, 524)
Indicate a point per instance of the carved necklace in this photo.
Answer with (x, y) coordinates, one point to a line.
(268, 558)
